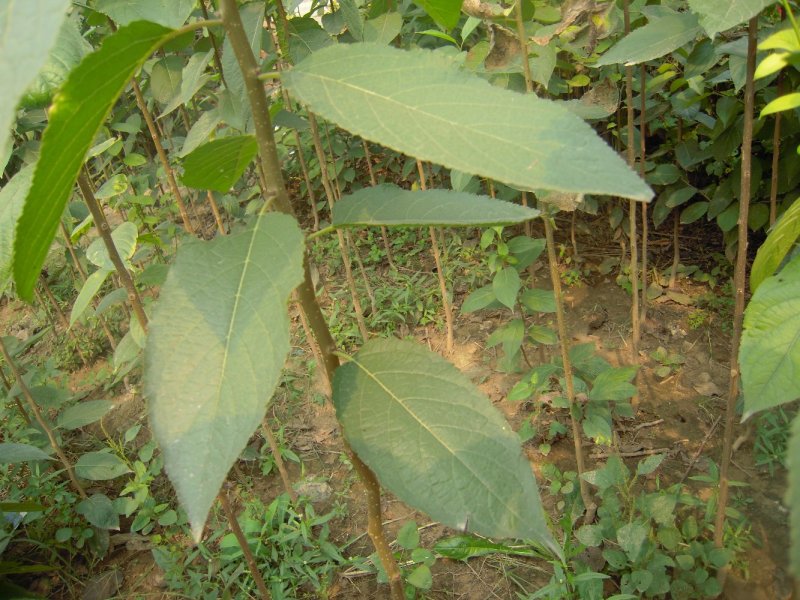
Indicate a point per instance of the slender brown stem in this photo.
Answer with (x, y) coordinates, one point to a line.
(233, 523)
(555, 278)
(34, 408)
(82, 275)
(7, 386)
(62, 320)
(305, 291)
(437, 258)
(68, 242)
(104, 230)
(217, 215)
(375, 525)
(632, 222)
(676, 250)
(162, 156)
(331, 197)
(739, 281)
(353, 247)
(278, 458)
(217, 55)
(776, 157)
(312, 200)
(642, 156)
(384, 232)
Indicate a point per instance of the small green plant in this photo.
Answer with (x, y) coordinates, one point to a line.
(290, 544)
(773, 429)
(414, 560)
(656, 543)
(669, 362)
(697, 318)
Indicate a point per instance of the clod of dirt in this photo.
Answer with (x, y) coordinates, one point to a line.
(704, 386)
(316, 491)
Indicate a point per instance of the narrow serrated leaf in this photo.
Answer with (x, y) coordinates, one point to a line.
(390, 205)
(78, 110)
(419, 102)
(12, 199)
(215, 349)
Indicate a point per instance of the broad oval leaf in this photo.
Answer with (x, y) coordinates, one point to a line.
(100, 466)
(778, 243)
(481, 298)
(219, 164)
(390, 205)
(420, 103)
(506, 285)
(99, 511)
(77, 112)
(656, 39)
(124, 237)
(716, 15)
(215, 349)
(536, 300)
(397, 402)
(27, 32)
(84, 413)
(11, 453)
(769, 354)
(444, 12)
(169, 13)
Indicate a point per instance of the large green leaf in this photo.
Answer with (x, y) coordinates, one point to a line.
(11, 453)
(656, 39)
(387, 204)
(384, 28)
(217, 165)
(444, 12)
(215, 349)
(124, 236)
(77, 112)
(84, 413)
(12, 199)
(419, 102)
(169, 13)
(100, 466)
(505, 285)
(165, 78)
(719, 15)
(99, 511)
(778, 243)
(28, 29)
(793, 455)
(769, 354)
(192, 79)
(436, 441)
